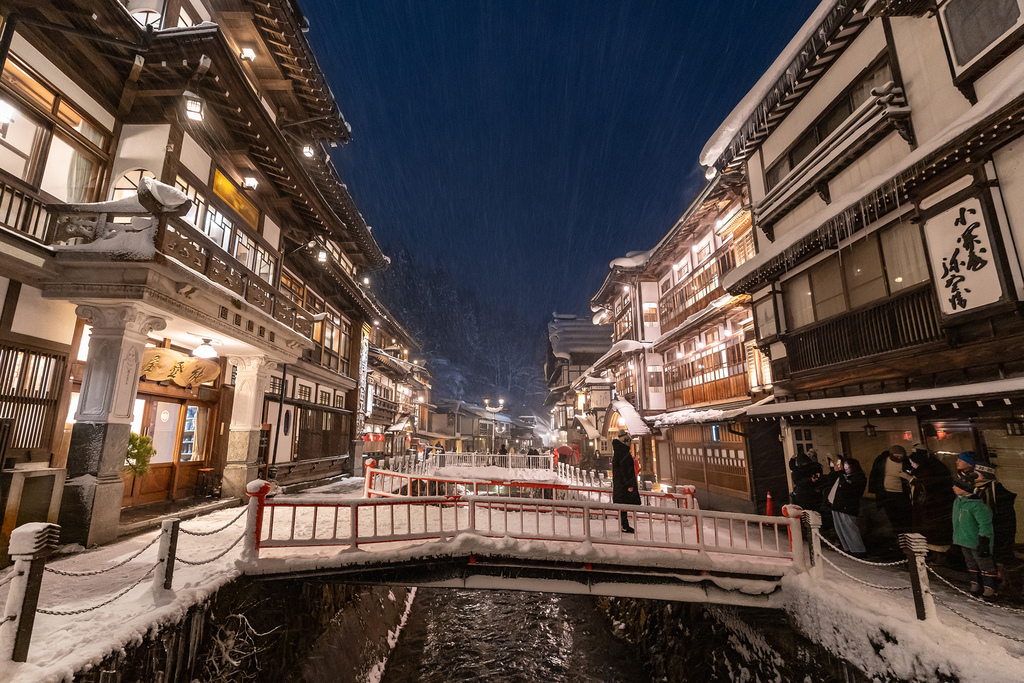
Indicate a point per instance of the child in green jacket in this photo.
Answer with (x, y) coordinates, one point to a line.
(972, 531)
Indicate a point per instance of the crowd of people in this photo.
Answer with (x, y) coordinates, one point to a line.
(919, 494)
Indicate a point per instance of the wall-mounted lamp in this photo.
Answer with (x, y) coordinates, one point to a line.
(247, 54)
(376, 323)
(321, 256)
(250, 183)
(205, 350)
(195, 106)
(308, 151)
(869, 429)
(366, 280)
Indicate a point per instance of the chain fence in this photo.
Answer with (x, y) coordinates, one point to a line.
(68, 613)
(974, 622)
(214, 531)
(94, 572)
(973, 597)
(196, 563)
(862, 581)
(859, 559)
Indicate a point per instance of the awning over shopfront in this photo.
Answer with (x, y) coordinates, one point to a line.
(588, 426)
(630, 417)
(1001, 392)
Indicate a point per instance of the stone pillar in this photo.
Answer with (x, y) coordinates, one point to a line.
(252, 378)
(91, 505)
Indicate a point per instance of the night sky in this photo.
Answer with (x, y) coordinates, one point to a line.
(529, 143)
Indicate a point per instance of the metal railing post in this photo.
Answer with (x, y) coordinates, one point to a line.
(915, 547)
(257, 490)
(353, 511)
(30, 545)
(167, 551)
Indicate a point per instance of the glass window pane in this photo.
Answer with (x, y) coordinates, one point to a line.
(777, 172)
(905, 263)
(862, 265)
(765, 312)
(193, 434)
(20, 142)
(69, 174)
(798, 301)
(973, 25)
(18, 80)
(217, 227)
(76, 121)
(803, 147)
(827, 285)
(163, 428)
(876, 79)
(835, 117)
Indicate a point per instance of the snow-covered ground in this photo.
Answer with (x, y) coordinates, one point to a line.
(874, 629)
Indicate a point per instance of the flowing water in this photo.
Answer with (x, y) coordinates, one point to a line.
(509, 636)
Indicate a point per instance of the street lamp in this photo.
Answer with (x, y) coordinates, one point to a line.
(493, 410)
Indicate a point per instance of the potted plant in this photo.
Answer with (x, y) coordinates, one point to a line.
(140, 452)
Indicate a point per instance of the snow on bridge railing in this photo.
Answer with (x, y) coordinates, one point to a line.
(388, 484)
(352, 523)
(418, 463)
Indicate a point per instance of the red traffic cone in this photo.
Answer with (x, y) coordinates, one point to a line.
(769, 506)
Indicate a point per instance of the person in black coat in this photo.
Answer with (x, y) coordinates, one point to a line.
(932, 500)
(806, 491)
(890, 482)
(843, 489)
(625, 490)
(1001, 502)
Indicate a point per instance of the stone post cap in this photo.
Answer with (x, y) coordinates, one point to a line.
(34, 540)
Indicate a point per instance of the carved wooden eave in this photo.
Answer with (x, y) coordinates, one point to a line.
(836, 31)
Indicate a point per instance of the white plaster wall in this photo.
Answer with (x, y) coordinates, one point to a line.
(998, 74)
(870, 164)
(803, 211)
(1009, 163)
(195, 159)
(271, 232)
(43, 318)
(649, 294)
(755, 174)
(140, 146)
(934, 100)
(54, 75)
(857, 57)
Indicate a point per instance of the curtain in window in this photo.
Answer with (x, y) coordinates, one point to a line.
(905, 263)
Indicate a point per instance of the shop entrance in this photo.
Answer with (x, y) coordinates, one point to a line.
(181, 434)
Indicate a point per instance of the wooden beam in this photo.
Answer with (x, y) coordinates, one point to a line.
(131, 86)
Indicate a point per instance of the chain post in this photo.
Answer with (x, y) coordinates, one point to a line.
(30, 545)
(812, 521)
(257, 490)
(915, 547)
(166, 553)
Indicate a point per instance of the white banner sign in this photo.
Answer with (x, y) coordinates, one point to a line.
(965, 271)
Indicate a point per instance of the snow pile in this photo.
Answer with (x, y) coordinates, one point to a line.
(167, 199)
(878, 632)
(628, 415)
(494, 474)
(377, 672)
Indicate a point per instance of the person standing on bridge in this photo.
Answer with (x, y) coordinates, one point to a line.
(625, 490)
(845, 487)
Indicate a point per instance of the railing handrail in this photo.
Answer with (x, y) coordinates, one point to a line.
(785, 531)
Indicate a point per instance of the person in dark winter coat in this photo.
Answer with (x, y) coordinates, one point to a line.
(844, 488)
(806, 492)
(503, 450)
(890, 482)
(972, 531)
(1001, 502)
(932, 500)
(625, 490)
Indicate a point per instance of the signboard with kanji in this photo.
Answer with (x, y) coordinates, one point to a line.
(963, 265)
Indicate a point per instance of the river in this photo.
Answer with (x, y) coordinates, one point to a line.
(509, 636)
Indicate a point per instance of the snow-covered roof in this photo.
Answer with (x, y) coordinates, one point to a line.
(1010, 88)
(961, 392)
(629, 416)
(570, 335)
(632, 259)
(770, 81)
(588, 426)
(691, 416)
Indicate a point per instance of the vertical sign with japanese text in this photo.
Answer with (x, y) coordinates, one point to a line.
(963, 265)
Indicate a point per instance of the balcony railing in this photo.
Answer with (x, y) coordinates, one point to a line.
(24, 211)
(900, 322)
